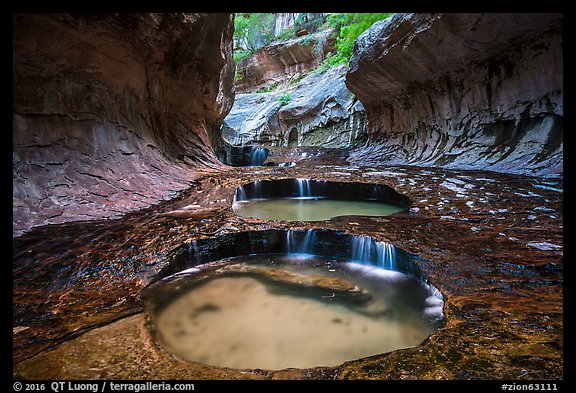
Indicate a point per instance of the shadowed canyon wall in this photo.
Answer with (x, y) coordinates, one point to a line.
(114, 112)
(469, 91)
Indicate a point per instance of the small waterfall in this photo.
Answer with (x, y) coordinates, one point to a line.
(297, 245)
(305, 246)
(290, 241)
(194, 245)
(257, 189)
(386, 255)
(362, 248)
(304, 190)
(240, 194)
(374, 195)
(368, 251)
(258, 156)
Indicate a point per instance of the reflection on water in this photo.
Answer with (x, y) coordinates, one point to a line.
(311, 209)
(341, 312)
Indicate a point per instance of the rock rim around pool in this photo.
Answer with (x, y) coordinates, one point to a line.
(276, 311)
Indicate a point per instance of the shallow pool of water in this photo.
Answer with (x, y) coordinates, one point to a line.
(311, 209)
(297, 311)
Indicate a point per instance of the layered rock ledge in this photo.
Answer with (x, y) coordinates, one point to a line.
(475, 91)
(114, 112)
(280, 61)
(493, 243)
(321, 112)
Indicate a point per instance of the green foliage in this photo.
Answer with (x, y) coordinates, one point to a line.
(285, 34)
(348, 27)
(294, 81)
(308, 21)
(237, 76)
(240, 54)
(270, 88)
(285, 98)
(325, 66)
(307, 40)
(253, 30)
(339, 20)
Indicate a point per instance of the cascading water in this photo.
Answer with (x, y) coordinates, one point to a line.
(315, 200)
(194, 246)
(317, 298)
(295, 244)
(304, 190)
(240, 194)
(242, 155)
(364, 250)
(258, 156)
(367, 250)
(374, 195)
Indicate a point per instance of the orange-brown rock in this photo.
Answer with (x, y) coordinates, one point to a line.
(279, 62)
(114, 112)
(474, 231)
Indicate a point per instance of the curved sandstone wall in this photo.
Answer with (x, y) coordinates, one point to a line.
(114, 112)
(468, 91)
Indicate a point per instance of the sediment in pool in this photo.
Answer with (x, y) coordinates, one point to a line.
(292, 305)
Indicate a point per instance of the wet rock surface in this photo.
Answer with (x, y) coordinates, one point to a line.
(115, 120)
(490, 242)
(114, 112)
(466, 91)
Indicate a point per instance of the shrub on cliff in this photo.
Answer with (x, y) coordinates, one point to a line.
(348, 27)
(285, 98)
(253, 31)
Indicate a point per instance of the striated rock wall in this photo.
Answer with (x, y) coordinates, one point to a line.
(283, 21)
(479, 91)
(321, 112)
(278, 62)
(114, 112)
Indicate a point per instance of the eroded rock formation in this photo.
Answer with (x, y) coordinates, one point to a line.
(283, 21)
(480, 237)
(479, 91)
(142, 95)
(321, 112)
(280, 61)
(113, 112)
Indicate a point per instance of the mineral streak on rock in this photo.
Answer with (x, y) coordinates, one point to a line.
(462, 91)
(114, 112)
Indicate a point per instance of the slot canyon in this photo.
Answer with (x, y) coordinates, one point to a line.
(400, 214)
